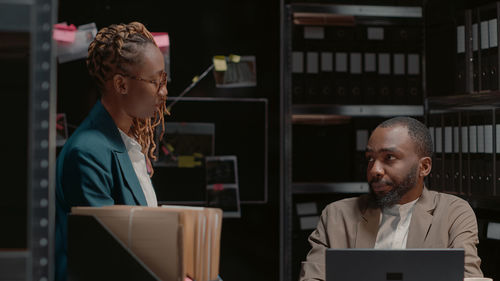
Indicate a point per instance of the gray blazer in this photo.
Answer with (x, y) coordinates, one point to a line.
(438, 221)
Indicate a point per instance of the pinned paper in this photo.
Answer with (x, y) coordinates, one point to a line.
(64, 33)
(170, 147)
(235, 71)
(220, 63)
(234, 58)
(187, 162)
(161, 39)
(78, 48)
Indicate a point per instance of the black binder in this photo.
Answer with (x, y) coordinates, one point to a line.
(298, 64)
(484, 50)
(461, 50)
(436, 179)
(496, 149)
(312, 81)
(384, 92)
(399, 78)
(298, 87)
(456, 154)
(341, 78)
(449, 155)
(489, 15)
(476, 52)
(369, 78)
(326, 78)
(476, 158)
(464, 154)
(375, 43)
(342, 39)
(355, 74)
(414, 79)
(489, 157)
(360, 162)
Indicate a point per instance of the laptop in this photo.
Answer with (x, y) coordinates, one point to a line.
(394, 265)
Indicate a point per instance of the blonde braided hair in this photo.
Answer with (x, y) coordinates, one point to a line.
(115, 49)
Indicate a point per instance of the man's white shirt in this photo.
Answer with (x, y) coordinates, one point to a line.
(394, 225)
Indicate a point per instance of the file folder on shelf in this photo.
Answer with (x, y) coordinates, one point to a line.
(369, 78)
(436, 178)
(384, 79)
(414, 79)
(476, 52)
(355, 74)
(341, 77)
(449, 155)
(312, 87)
(461, 50)
(476, 150)
(326, 78)
(465, 154)
(399, 78)
(298, 87)
(489, 157)
(489, 18)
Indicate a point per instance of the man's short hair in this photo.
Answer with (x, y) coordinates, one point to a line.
(417, 131)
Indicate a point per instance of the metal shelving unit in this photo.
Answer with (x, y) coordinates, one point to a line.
(37, 18)
(331, 187)
(325, 113)
(485, 100)
(360, 10)
(359, 110)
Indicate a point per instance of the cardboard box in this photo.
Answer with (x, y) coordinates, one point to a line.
(172, 241)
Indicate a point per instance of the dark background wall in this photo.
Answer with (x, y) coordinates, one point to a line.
(199, 30)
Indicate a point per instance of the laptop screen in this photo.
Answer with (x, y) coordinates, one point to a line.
(383, 265)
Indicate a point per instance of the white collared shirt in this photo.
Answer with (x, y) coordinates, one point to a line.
(394, 226)
(139, 163)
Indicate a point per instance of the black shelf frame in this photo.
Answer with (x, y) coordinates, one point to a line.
(363, 14)
(37, 18)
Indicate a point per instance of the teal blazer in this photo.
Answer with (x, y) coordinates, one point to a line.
(93, 169)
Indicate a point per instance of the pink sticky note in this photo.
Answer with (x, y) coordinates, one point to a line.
(161, 39)
(165, 151)
(218, 187)
(64, 33)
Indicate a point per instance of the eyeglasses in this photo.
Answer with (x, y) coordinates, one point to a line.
(163, 80)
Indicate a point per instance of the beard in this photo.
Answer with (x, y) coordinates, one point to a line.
(398, 190)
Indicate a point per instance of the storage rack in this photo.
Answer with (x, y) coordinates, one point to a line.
(36, 17)
(288, 188)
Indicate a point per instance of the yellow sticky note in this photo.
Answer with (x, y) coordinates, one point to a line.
(186, 162)
(170, 147)
(197, 155)
(220, 63)
(234, 58)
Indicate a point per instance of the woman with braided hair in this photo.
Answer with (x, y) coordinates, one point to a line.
(107, 160)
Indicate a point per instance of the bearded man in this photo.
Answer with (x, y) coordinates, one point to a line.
(399, 212)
